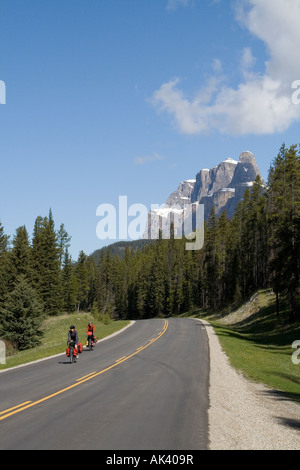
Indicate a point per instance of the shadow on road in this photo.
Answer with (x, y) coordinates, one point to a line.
(291, 423)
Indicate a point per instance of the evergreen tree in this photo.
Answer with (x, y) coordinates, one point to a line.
(235, 257)
(157, 292)
(259, 227)
(46, 264)
(210, 262)
(189, 280)
(246, 247)
(141, 293)
(92, 275)
(121, 285)
(63, 242)
(82, 281)
(100, 282)
(21, 255)
(222, 235)
(68, 284)
(4, 264)
(22, 316)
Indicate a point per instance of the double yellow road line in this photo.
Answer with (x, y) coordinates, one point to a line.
(28, 404)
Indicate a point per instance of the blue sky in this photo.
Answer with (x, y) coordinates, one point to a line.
(106, 98)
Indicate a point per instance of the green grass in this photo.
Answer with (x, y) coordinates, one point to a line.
(56, 334)
(259, 343)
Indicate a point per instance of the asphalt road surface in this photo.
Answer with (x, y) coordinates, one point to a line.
(144, 389)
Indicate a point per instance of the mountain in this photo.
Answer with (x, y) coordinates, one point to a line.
(119, 249)
(222, 186)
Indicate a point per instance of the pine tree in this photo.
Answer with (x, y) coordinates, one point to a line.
(46, 264)
(5, 272)
(68, 284)
(22, 316)
(210, 262)
(189, 276)
(235, 257)
(222, 235)
(21, 255)
(259, 227)
(92, 282)
(157, 292)
(246, 246)
(63, 242)
(121, 285)
(142, 292)
(82, 281)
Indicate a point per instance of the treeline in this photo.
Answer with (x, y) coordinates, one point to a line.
(258, 248)
(38, 278)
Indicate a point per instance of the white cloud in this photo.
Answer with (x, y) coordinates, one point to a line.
(248, 60)
(217, 65)
(147, 158)
(261, 104)
(174, 4)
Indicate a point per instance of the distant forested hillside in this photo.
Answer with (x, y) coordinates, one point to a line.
(119, 248)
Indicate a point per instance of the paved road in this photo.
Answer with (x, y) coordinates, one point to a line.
(144, 389)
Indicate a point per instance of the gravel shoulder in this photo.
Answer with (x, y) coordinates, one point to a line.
(244, 415)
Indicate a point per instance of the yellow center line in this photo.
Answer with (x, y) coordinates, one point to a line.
(14, 407)
(85, 376)
(29, 404)
(121, 359)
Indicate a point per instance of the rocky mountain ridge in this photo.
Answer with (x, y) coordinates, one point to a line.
(222, 186)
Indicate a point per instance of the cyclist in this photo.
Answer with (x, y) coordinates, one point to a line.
(91, 328)
(73, 337)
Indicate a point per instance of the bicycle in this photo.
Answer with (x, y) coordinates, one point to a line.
(72, 352)
(90, 341)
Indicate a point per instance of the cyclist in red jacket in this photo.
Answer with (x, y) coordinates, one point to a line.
(91, 329)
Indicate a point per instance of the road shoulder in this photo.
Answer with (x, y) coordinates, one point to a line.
(244, 415)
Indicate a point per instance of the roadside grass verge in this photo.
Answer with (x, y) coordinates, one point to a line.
(259, 343)
(56, 334)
